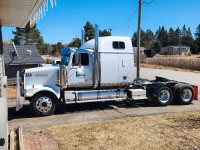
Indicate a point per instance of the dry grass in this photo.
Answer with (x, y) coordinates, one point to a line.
(191, 63)
(11, 93)
(166, 131)
(193, 56)
(166, 68)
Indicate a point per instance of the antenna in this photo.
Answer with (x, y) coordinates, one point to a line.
(30, 51)
(16, 53)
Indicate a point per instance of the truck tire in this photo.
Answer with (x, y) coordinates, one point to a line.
(162, 96)
(43, 104)
(184, 94)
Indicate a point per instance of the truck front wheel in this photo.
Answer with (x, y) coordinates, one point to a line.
(43, 104)
(162, 96)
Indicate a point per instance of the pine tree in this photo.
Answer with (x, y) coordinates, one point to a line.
(183, 31)
(158, 33)
(157, 46)
(76, 42)
(104, 33)
(177, 37)
(189, 38)
(29, 36)
(163, 37)
(150, 39)
(197, 36)
(171, 36)
(147, 39)
(143, 38)
(89, 31)
(134, 39)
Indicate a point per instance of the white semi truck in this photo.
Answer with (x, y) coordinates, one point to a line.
(101, 69)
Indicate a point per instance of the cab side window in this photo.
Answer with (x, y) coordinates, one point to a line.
(84, 59)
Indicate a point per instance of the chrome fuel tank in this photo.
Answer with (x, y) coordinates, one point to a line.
(94, 95)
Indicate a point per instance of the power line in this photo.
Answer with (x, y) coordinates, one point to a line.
(148, 2)
(128, 22)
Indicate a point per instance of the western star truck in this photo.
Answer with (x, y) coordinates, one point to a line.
(101, 69)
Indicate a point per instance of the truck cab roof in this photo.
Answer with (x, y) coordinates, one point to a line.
(116, 44)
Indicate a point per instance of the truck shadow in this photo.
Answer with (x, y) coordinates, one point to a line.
(78, 108)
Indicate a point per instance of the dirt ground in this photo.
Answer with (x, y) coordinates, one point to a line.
(166, 131)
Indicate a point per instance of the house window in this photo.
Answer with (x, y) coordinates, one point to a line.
(118, 45)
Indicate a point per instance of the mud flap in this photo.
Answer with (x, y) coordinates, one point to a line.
(195, 92)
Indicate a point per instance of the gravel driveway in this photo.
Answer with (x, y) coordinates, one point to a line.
(104, 110)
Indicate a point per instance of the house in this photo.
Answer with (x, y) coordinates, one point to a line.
(175, 50)
(142, 49)
(28, 58)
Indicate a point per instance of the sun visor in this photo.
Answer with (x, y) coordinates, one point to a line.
(66, 51)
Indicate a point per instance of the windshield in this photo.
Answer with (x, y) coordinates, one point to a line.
(65, 60)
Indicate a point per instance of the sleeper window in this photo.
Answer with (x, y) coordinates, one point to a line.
(84, 59)
(118, 45)
(121, 45)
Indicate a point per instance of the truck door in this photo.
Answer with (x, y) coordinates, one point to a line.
(81, 74)
(126, 68)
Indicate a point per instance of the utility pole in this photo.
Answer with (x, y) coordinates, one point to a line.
(138, 39)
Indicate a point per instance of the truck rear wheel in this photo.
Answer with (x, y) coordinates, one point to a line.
(162, 96)
(43, 104)
(184, 94)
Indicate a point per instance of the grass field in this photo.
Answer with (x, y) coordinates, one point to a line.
(189, 63)
(165, 131)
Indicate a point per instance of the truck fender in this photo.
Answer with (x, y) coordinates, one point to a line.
(43, 89)
(156, 85)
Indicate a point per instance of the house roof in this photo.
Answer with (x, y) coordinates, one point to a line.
(17, 13)
(141, 48)
(181, 46)
(28, 54)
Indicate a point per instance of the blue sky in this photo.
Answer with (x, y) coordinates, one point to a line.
(65, 21)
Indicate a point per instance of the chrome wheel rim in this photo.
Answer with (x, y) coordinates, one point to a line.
(164, 96)
(44, 104)
(186, 95)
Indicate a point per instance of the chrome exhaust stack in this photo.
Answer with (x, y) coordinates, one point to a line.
(82, 37)
(62, 76)
(96, 58)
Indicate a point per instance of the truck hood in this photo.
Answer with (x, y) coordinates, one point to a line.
(42, 69)
(41, 76)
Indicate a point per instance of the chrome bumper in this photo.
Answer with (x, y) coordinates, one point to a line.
(20, 99)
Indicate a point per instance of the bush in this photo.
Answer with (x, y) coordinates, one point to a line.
(143, 58)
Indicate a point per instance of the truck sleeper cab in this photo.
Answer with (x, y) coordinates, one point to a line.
(93, 73)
